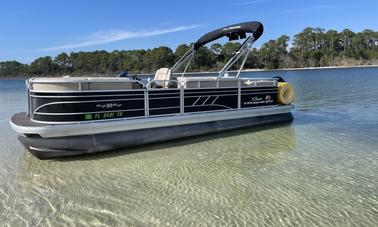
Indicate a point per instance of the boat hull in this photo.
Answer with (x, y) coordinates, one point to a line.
(54, 147)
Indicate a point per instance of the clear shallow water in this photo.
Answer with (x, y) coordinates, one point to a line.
(320, 170)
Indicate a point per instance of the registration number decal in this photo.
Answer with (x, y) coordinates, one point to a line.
(100, 116)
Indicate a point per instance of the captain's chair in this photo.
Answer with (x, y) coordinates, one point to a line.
(163, 74)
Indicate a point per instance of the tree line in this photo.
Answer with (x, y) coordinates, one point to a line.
(313, 47)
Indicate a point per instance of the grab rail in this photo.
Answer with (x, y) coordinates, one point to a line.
(30, 82)
(148, 86)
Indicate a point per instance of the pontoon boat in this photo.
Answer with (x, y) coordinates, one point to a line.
(80, 115)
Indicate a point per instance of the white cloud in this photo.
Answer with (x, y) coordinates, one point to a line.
(249, 2)
(102, 37)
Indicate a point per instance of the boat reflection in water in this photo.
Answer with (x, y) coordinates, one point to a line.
(70, 116)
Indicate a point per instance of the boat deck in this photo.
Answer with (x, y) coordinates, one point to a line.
(23, 120)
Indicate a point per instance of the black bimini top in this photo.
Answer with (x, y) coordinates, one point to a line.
(233, 32)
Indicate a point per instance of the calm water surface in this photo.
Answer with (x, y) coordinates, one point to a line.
(321, 170)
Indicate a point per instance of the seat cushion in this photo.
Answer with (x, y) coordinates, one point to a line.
(163, 74)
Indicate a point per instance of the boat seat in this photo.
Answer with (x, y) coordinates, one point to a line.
(207, 82)
(163, 74)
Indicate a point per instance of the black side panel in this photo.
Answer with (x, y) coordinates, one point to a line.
(253, 97)
(164, 101)
(86, 106)
(196, 100)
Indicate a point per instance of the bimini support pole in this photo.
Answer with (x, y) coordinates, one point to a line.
(243, 50)
(187, 65)
(187, 56)
(242, 65)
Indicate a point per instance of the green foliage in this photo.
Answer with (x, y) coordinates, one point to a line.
(180, 51)
(63, 62)
(43, 66)
(316, 47)
(12, 68)
(313, 47)
(229, 49)
(158, 58)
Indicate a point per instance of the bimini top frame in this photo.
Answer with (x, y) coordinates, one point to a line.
(233, 32)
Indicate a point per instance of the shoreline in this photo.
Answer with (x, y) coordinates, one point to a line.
(311, 68)
(286, 69)
(212, 72)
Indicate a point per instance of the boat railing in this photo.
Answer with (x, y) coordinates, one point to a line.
(241, 83)
(151, 93)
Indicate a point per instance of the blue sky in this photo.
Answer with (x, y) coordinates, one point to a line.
(30, 29)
